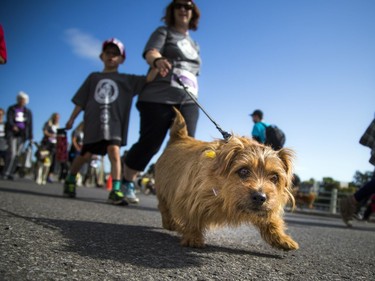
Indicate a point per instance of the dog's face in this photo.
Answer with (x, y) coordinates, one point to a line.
(254, 179)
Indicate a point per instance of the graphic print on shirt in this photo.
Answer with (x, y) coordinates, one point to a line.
(187, 49)
(106, 92)
(20, 117)
(188, 78)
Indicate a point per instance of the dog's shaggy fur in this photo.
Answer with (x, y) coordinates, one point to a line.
(203, 184)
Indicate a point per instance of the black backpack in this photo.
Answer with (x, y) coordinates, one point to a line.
(275, 137)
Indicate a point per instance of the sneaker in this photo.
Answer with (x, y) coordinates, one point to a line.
(130, 193)
(116, 197)
(347, 210)
(9, 177)
(70, 189)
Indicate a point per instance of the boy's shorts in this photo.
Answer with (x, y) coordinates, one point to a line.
(99, 148)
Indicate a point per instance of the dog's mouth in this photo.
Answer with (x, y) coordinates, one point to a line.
(252, 209)
(258, 210)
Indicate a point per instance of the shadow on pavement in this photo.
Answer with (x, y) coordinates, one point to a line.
(43, 194)
(144, 246)
(83, 199)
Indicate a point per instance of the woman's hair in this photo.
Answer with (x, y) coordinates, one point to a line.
(23, 95)
(169, 20)
(51, 119)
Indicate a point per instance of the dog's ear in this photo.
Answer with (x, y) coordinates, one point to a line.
(287, 156)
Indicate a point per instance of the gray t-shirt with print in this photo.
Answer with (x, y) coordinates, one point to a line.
(106, 99)
(183, 53)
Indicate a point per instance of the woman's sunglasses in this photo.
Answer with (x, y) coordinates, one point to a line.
(187, 7)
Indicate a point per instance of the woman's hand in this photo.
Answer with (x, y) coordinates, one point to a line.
(163, 65)
(157, 61)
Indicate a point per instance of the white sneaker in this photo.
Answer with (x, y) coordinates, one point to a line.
(130, 196)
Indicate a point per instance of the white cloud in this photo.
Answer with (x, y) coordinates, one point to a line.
(84, 45)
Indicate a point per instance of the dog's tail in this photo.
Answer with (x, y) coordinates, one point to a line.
(178, 129)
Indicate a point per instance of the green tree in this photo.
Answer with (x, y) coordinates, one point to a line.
(310, 182)
(360, 179)
(330, 183)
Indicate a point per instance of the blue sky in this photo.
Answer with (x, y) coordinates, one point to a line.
(308, 64)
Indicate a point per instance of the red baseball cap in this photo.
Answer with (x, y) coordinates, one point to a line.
(117, 43)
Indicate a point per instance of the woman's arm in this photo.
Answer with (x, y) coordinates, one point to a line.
(156, 60)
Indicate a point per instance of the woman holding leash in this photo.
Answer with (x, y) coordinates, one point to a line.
(172, 51)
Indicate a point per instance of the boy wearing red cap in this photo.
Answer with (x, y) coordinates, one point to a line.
(106, 98)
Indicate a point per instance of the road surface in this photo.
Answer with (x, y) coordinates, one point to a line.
(44, 236)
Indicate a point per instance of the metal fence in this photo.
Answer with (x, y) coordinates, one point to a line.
(328, 201)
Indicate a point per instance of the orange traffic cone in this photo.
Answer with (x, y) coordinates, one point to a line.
(109, 183)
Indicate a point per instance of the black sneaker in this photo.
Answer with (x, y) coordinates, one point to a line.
(8, 177)
(70, 189)
(116, 197)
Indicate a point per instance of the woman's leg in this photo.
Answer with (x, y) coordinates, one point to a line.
(365, 191)
(156, 120)
(190, 112)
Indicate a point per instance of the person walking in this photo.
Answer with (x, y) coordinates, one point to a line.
(3, 141)
(105, 97)
(349, 204)
(19, 129)
(259, 129)
(171, 51)
(76, 142)
(49, 141)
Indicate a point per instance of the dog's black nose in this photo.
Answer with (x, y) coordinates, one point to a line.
(258, 198)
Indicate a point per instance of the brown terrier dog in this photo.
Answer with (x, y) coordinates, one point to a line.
(203, 184)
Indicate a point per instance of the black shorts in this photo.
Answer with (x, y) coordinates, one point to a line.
(99, 148)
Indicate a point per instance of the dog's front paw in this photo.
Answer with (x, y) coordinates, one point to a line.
(286, 243)
(194, 242)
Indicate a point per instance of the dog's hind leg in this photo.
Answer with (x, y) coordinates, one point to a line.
(167, 220)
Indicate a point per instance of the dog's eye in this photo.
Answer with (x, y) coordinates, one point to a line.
(274, 179)
(243, 173)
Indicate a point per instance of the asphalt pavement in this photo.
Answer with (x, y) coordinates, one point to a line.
(44, 236)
